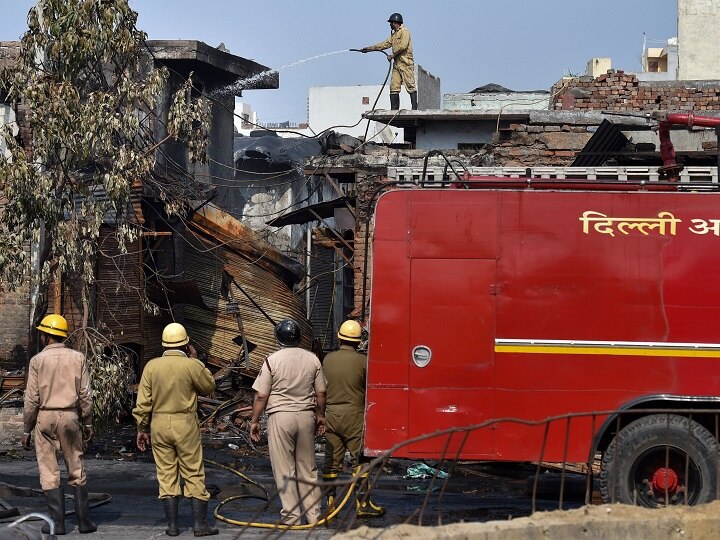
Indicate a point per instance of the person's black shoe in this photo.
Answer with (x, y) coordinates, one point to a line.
(201, 526)
(82, 510)
(56, 505)
(170, 504)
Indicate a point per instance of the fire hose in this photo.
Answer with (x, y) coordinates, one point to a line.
(104, 498)
(96, 499)
(324, 520)
(387, 75)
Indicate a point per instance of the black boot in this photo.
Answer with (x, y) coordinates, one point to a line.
(82, 510)
(56, 505)
(201, 526)
(394, 102)
(171, 513)
(413, 100)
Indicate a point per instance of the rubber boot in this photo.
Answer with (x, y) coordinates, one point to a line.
(394, 102)
(82, 510)
(170, 504)
(331, 501)
(56, 505)
(364, 507)
(413, 100)
(201, 526)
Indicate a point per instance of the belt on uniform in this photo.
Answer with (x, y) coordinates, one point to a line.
(66, 409)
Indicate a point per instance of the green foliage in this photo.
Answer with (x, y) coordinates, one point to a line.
(111, 374)
(91, 101)
(90, 91)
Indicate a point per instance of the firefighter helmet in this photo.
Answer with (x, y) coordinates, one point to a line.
(395, 17)
(174, 335)
(55, 325)
(350, 331)
(287, 332)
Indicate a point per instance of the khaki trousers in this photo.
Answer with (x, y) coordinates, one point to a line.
(344, 432)
(291, 442)
(177, 450)
(405, 74)
(59, 430)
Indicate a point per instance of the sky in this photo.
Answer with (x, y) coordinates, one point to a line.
(519, 44)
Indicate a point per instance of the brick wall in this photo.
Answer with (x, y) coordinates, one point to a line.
(620, 91)
(367, 185)
(523, 145)
(15, 335)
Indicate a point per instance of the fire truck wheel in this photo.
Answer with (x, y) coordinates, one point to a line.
(660, 460)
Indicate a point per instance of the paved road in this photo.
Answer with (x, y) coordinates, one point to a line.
(473, 494)
(135, 511)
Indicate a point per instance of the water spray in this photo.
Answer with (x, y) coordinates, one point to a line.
(249, 82)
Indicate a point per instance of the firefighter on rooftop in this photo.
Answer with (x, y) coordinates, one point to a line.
(58, 412)
(402, 57)
(166, 411)
(345, 371)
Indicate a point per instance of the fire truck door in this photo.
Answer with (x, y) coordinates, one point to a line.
(452, 319)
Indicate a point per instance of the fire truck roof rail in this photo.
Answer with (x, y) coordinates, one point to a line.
(695, 175)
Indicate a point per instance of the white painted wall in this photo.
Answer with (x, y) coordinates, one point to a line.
(699, 39)
(337, 107)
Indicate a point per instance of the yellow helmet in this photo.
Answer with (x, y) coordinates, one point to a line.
(174, 335)
(55, 325)
(350, 331)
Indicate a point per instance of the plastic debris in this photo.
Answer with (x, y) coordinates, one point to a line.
(421, 471)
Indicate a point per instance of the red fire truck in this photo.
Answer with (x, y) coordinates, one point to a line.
(531, 299)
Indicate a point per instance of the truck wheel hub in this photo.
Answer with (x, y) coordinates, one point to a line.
(665, 480)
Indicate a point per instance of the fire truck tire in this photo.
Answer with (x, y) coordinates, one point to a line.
(658, 460)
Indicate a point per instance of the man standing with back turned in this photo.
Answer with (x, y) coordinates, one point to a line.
(166, 410)
(402, 57)
(58, 411)
(291, 388)
(345, 371)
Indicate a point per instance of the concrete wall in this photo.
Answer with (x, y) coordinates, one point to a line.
(450, 134)
(672, 66)
(698, 39)
(11, 420)
(495, 101)
(220, 164)
(333, 106)
(268, 199)
(336, 107)
(598, 66)
(428, 86)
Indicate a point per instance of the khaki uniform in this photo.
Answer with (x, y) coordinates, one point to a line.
(403, 63)
(167, 407)
(58, 402)
(345, 373)
(290, 378)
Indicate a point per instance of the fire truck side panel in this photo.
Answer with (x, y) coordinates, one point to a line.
(387, 405)
(456, 385)
(596, 300)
